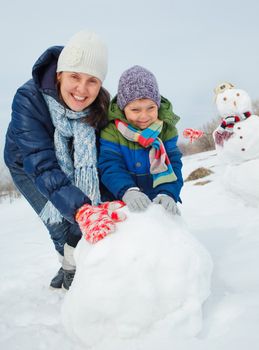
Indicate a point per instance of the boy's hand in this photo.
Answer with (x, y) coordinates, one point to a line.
(136, 200)
(168, 203)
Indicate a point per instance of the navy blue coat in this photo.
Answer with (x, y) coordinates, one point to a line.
(30, 138)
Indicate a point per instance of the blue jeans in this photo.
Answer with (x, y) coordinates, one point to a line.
(61, 233)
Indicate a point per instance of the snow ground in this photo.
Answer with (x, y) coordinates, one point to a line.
(225, 224)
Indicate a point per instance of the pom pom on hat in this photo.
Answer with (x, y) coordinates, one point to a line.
(137, 83)
(86, 53)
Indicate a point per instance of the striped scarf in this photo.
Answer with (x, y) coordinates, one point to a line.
(80, 167)
(160, 166)
(227, 124)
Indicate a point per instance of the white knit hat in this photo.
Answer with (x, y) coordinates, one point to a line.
(86, 53)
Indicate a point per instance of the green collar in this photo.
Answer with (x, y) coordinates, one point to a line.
(165, 112)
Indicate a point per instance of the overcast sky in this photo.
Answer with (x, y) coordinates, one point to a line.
(190, 46)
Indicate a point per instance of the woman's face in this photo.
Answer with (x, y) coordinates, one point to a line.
(78, 90)
(141, 113)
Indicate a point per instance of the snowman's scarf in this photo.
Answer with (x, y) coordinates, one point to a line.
(227, 124)
(80, 167)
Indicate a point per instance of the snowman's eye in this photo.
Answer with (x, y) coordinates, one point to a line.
(238, 94)
(225, 99)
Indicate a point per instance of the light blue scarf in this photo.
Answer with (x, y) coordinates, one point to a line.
(81, 169)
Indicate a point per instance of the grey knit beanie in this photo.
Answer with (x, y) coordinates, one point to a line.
(136, 83)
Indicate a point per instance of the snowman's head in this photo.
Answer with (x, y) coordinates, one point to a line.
(233, 102)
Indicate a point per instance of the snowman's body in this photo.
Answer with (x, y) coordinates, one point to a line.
(243, 145)
(239, 154)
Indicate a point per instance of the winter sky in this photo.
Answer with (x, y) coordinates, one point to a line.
(191, 46)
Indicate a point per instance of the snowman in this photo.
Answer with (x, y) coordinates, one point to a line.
(146, 281)
(237, 142)
(237, 137)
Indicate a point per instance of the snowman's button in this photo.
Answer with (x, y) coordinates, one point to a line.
(243, 149)
(240, 137)
(239, 128)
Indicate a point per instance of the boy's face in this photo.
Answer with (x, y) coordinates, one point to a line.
(141, 113)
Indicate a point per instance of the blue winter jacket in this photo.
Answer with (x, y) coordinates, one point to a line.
(30, 138)
(124, 164)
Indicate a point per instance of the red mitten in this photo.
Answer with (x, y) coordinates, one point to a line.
(111, 208)
(225, 130)
(220, 137)
(192, 134)
(96, 222)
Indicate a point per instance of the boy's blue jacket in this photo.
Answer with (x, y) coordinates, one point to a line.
(30, 138)
(124, 164)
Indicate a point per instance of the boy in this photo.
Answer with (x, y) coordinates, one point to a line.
(139, 160)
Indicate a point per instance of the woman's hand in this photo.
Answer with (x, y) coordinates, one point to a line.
(96, 222)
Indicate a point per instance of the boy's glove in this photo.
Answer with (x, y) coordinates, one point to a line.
(96, 222)
(168, 203)
(136, 200)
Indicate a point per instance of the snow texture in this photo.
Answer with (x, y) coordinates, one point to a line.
(150, 273)
(218, 217)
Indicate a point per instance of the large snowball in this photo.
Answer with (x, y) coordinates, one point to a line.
(149, 274)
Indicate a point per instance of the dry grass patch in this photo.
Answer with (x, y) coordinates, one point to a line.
(201, 183)
(198, 173)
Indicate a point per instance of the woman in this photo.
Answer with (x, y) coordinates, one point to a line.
(50, 145)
